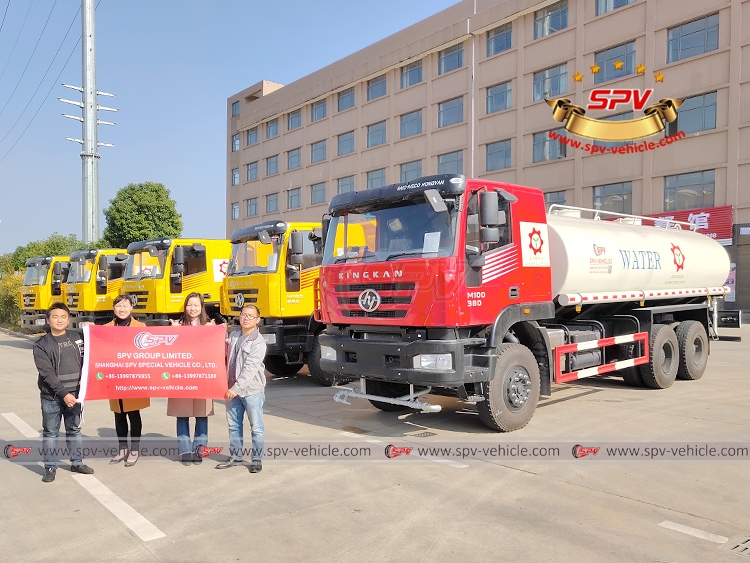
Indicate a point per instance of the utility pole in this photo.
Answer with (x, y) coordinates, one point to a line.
(90, 142)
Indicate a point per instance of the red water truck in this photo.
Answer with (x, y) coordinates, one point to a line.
(471, 288)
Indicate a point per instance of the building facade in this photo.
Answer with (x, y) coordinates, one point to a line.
(464, 91)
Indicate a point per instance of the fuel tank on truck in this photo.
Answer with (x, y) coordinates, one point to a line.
(594, 256)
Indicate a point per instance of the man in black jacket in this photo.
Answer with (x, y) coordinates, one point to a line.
(58, 356)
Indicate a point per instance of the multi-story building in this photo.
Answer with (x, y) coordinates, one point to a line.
(464, 91)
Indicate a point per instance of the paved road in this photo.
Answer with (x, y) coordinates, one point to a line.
(403, 508)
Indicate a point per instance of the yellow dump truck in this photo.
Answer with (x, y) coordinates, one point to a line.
(160, 273)
(95, 279)
(42, 286)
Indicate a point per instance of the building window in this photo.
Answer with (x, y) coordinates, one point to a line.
(619, 117)
(376, 88)
(604, 6)
(345, 184)
(411, 171)
(236, 210)
(294, 198)
(235, 109)
(235, 176)
(693, 38)
(689, 191)
(235, 142)
(411, 74)
(272, 165)
(293, 159)
(551, 82)
(450, 59)
(550, 198)
(451, 163)
(252, 136)
(499, 39)
(318, 110)
(346, 99)
(252, 171)
(697, 113)
(252, 206)
(614, 197)
(547, 148)
(376, 178)
(498, 155)
(318, 151)
(318, 193)
(411, 123)
(609, 61)
(498, 97)
(346, 143)
(376, 134)
(272, 203)
(451, 112)
(272, 128)
(294, 120)
(551, 19)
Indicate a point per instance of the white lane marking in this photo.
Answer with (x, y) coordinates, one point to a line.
(435, 459)
(21, 425)
(693, 532)
(122, 510)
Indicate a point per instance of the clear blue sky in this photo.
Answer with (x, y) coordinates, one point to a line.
(172, 65)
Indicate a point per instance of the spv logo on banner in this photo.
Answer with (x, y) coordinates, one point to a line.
(145, 340)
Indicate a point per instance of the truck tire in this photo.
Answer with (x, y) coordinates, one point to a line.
(387, 389)
(661, 370)
(278, 365)
(693, 344)
(632, 375)
(313, 365)
(510, 397)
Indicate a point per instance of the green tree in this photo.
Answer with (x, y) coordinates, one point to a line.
(54, 245)
(141, 212)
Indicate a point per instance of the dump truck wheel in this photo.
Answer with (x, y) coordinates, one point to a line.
(631, 376)
(278, 365)
(693, 344)
(386, 389)
(661, 370)
(313, 364)
(511, 395)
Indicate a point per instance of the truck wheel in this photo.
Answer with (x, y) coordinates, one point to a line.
(313, 364)
(387, 389)
(693, 343)
(511, 395)
(631, 376)
(277, 365)
(661, 370)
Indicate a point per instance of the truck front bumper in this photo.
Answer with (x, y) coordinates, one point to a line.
(291, 340)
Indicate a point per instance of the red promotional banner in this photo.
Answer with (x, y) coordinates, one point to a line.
(714, 222)
(138, 362)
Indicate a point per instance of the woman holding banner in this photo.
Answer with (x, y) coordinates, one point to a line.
(125, 409)
(194, 314)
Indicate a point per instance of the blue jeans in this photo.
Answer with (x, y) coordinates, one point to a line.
(236, 409)
(183, 434)
(52, 411)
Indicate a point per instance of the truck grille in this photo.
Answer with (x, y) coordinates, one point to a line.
(248, 296)
(140, 298)
(395, 299)
(29, 301)
(72, 300)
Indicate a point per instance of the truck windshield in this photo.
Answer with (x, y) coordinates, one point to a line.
(80, 271)
(36, 275)
(146, 264)
(252, 256)
(410, 229)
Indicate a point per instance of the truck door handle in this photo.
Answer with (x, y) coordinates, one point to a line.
(513, 292)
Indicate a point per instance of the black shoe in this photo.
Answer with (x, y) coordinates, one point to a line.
(256, 466)
(81, 468)
(186, 459)
(197, 460)
(229, 463)
(49, 475)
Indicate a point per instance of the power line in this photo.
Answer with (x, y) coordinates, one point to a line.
(43, 77)
(30, 58)
(17, 38)
(5, 14)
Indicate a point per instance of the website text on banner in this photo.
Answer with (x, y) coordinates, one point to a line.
(133, 362)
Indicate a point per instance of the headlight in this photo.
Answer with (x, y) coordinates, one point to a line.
(433, 361)
(327, 353)
(270, 338)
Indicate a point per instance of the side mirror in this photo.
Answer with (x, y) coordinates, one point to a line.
(296, 259)
(294, 276)
(179, 256)
(489, 209)
(121, 257)
(489, 234)
(199, 247)
(326, 222)
(57, 269)
(264, 237)
(178, 268)
(476, 261)
(296, 246)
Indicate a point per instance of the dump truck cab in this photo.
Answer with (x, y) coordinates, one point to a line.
(95, 279)
(43, 285)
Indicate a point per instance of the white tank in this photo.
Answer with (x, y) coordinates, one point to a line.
(589, 256)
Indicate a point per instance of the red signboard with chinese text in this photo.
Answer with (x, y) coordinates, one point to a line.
(134, 362)
(714, 222)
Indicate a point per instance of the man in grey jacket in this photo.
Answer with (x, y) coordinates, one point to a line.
(246, 378)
